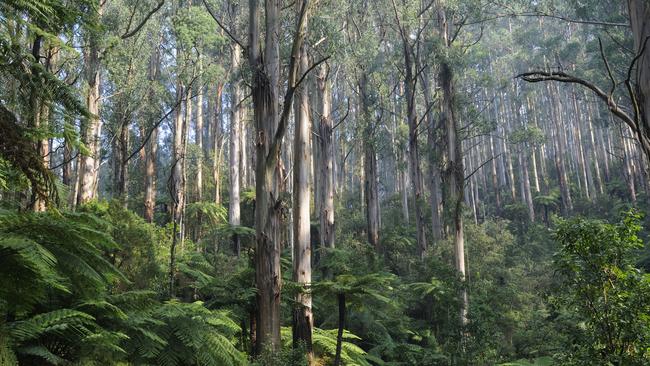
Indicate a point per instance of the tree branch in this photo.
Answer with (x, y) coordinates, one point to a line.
(161, 120)
(538, 76)
(228, 32)
(298, 40)
(135, 30)
(545, 15)
(609, 69)
(481, 166)
(344, 117)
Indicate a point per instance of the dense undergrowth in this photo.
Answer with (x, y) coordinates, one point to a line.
(91, 288)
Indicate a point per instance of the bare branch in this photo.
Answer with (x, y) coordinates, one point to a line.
(161, 120)
(481, 166)
(130, 33)
(609, 69)
(344, 117)
(545, 15)
(228, 32)
(298, 40)
(538, 76)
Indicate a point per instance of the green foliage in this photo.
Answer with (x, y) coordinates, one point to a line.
(542, 361)
(176, 333)
(602, 288)
(58, 257)
(324, 346)
(61, 257)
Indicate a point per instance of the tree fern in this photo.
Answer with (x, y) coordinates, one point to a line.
(176, 333)
(324, 343)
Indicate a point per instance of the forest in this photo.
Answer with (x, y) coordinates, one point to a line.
(324, 182)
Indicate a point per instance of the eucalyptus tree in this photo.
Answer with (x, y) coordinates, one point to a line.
(634, 71)
(270, 125)
(130, 87)
(454, 174)
(235, 131)
(413, 11)
(36, 90)
(303, 320)
(91, 132)
(364, 30)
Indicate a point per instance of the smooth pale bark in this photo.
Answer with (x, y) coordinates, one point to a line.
(470, 199)
(526, 185)
(177, 183)
(326, 164)
(495, 178)
(560, 149)
(91, 130)
(244, 146)
(187, 124)
(594, 151)
(199, 137)
(628, 163)
(315, 146)
(507, 113)
(533, 154)
(151, 156)
(522, 156)
(235, 144)
(583, 160)
(217, 143)
(403, 186)
(606, 147)
(401, 162)
(303, 321)
(151, 148)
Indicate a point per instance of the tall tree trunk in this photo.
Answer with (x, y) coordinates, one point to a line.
(434, 159)
(38, 119)
(523, 159)
(414, 153)
(455, 175)
(303, 321)
(151, 158)
(176, 183)
(270, 129)
(199, 137)
(151, 148)
(235, 129)
(560, 150)
(66, 169)
(370, 168)
(244, 146)
(640, 22)
(123, 181)
(91, 130)
(326, 163)
(594, 150)
(495, 178)
(184, 195)
(341, 326)
(217, 141)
